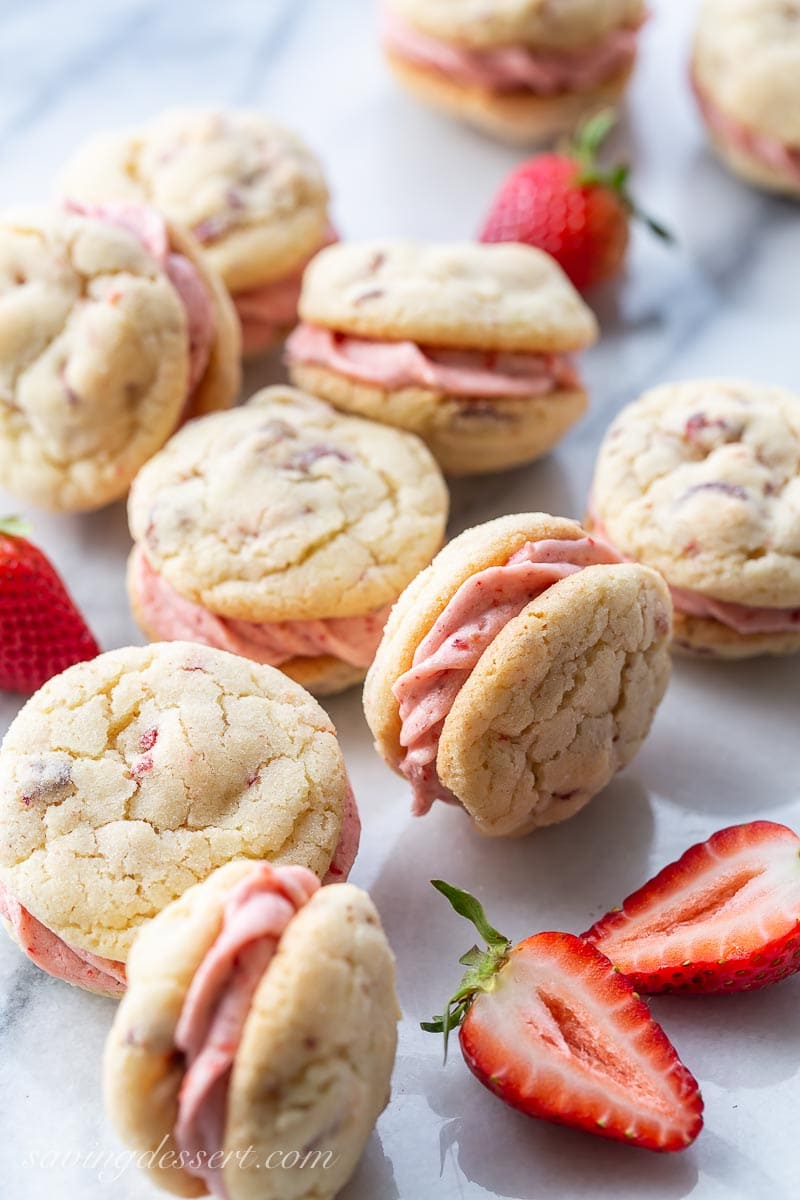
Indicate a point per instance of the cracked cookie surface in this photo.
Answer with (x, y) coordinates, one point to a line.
(561, 701)
(128, 778)
(490, 297)
(285, 509)
(251, 192)
(297, 1081)
(702, 481)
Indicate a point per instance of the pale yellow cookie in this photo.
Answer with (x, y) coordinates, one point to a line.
(128, 778)
(95, 356)
(558, 701)
(521, 70)
(701, 480)
(285, 509)
(425, 302)
(311, 1072)
(251, 192)
(746, 71)
(284, 532)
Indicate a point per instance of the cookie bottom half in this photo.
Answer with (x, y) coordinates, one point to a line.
(521, 117)
(707, 638)
(466, 436)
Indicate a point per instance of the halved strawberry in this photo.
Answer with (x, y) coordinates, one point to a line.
(724, 918)
(554, 1030)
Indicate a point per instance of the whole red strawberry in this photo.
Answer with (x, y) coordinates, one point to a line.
(41, 630)
(565, 204)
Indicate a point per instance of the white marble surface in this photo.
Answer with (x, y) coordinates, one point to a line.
(724, 747)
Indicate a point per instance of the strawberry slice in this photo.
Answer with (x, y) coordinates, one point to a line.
(553, 1029)
(724, 918)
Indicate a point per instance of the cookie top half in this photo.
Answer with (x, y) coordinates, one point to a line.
(317, 1048)
(567, 25)
(464, 295)
(747, 61)
(250, 192)
(701, 480)
(288, 510)
(128, 778)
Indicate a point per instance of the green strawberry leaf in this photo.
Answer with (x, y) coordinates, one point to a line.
(483, 965)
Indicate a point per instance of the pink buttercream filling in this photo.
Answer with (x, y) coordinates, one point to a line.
(767, 150)
(256, 914)
(481, 607)
(151, 231)
(54, 956)
(476, 373)
(513, 68)
(264, 312)
(352, 640)
(349, 839)
(742, 618)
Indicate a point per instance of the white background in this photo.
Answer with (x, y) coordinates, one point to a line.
(725, 744)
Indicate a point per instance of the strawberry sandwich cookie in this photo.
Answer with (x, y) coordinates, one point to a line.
(470, 346)
(127, 779)
(746, 77)
(253, 1051)
(519, 672)
(114, 331)
(522, 70)
(250, 192)
(701, 480)
(283, 531)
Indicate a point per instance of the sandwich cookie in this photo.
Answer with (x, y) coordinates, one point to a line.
(127, 779)
(746, 77)
(521, 70)
(253, 1051)
(113, 331)
(470, 346)
(251, 193)
(701, 480)
(284, 532)
(519, 672)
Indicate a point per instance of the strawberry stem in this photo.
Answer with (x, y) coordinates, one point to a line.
(483, 964)
(15, 527)
(584, 149)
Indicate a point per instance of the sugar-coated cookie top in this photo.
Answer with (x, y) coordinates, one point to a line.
(94, 357)
(288, 510)
(128, 778)
(488, 297)
(251, 192)
(702, 481)
(747, 61)
(294, 1073)
(545, 24)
